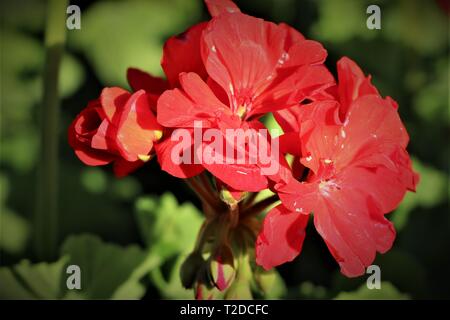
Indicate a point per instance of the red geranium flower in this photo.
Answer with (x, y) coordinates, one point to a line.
(252, 67)
(359, 170)
(118, 127)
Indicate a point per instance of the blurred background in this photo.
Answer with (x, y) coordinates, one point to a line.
(129, 235)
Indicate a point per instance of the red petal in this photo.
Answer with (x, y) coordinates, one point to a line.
(182, 54)
(281, 238)
(139, 79)
(136, 129)
(292, 86)
(372, 127)
(164, 150)
(292, 36)
(80, 134)
(216, 7)
(178, 108)
(241, 54)
(307, 52)
(123, 168)
(113, 100)
(352, 83)
(346, 216)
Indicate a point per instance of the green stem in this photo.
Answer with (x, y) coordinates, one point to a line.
(46, 215)
(260, 206)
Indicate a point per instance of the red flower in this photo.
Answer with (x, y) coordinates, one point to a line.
(118, 127)
(181, 54)
(253, 67)
(359, 170)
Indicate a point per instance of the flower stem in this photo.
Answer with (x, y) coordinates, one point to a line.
(205, 195)
(46, 215)
(260, 206)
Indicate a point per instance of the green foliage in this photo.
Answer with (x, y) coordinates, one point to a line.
(113, 42)
(309, 290)
(387, 292)
(105, 268)
(15, 231)
(22, 62)
(342, 21)
(32, 281)
(431, 102)
(270, 283)
(430, 192)
(94, 180)
(418, 25)
(169, 230)
(108, 271)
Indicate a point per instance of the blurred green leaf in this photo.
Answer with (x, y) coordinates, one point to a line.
(22, 63)
(270, 283)
(127, 188)
(171, 288)
(309, 290)
(387, 292)
(4, 188)
(167, 228)
(94, 180)
(19, 150)
(431, 101)
(32, 281)
(431, 190)
(113, 43)
(419, 24)
(23, 14)
(14, 231)
(105, 268)
(342, 21)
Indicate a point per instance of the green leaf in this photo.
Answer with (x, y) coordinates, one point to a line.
(94, 180)
(341, 21)
(12, 13)
(387, 292)
(270, 283)
(113, 43)
(127, 188)
(32, 281)
(309, 290)
(171, 288)
(431, 190)
(431, 100)
(419, 24)
(14, 231)
(107, 270)
(167, 228)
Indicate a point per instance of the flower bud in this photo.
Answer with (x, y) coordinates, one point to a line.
(190, 268)
(222, 270)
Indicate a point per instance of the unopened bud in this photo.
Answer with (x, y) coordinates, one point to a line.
(222, 269)
(190, 269)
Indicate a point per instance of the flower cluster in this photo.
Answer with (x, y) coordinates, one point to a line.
(348, 164)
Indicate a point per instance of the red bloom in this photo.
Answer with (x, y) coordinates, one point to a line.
(253, 67)
(181, 54)
(118, 127)
(359, 170)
